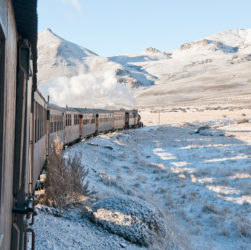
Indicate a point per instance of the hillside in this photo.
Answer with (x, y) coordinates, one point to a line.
(58, 57)
(206, 71)
(215, 67)
(82, 78)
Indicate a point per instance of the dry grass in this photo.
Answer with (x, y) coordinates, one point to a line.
(65, 178)
(242, 121)
(210, 208)
(243, 226)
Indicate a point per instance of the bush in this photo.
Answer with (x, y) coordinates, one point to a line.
(243, 226)
(135, 220)
(65, 177)
(242, 121)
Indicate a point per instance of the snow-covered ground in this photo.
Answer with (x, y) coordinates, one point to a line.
(199, 179)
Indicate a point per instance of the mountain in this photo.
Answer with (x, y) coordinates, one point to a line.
(215, 69)
(76, 76)
(57, 57)
(209, 70)
(60, 58)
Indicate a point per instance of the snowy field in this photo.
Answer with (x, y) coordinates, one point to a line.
(193, 167)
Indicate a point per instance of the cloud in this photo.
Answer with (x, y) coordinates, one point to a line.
(74, 3)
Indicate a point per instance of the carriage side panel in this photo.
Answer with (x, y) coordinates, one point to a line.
(8, 58)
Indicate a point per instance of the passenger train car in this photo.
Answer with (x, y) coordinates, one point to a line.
(71, 125)
(18, 68)
(29, 124)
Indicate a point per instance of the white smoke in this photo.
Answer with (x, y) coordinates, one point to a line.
(87, 90)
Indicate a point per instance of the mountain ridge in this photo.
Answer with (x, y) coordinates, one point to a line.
(222, 59)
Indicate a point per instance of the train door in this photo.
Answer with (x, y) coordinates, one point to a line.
(126, 119)
(135, 118)
(113, 121)
(80, 125)
(22, 203)
(48, 131)
(97, 124)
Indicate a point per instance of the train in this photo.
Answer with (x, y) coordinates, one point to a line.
(29, 123)
(71, 125)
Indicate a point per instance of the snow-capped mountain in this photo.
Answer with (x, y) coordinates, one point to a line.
(60, 58)
(214, 67)
(57, 57)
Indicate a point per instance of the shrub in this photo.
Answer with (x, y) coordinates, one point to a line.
(65, 178)
(210, 208)
(242, 121)
(243, 226)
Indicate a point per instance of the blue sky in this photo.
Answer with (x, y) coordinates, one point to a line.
(113, 27)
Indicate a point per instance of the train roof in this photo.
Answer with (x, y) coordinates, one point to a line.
(131, 110)
(87, 110)
(41, 96)
(54, 106)
(96, 111)
(70, 109)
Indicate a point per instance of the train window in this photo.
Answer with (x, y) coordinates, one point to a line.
(39, 122)
(76, 119)
(36, 123)
(85, 121)
(42, 121)
(2, 76)
(68, 120)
